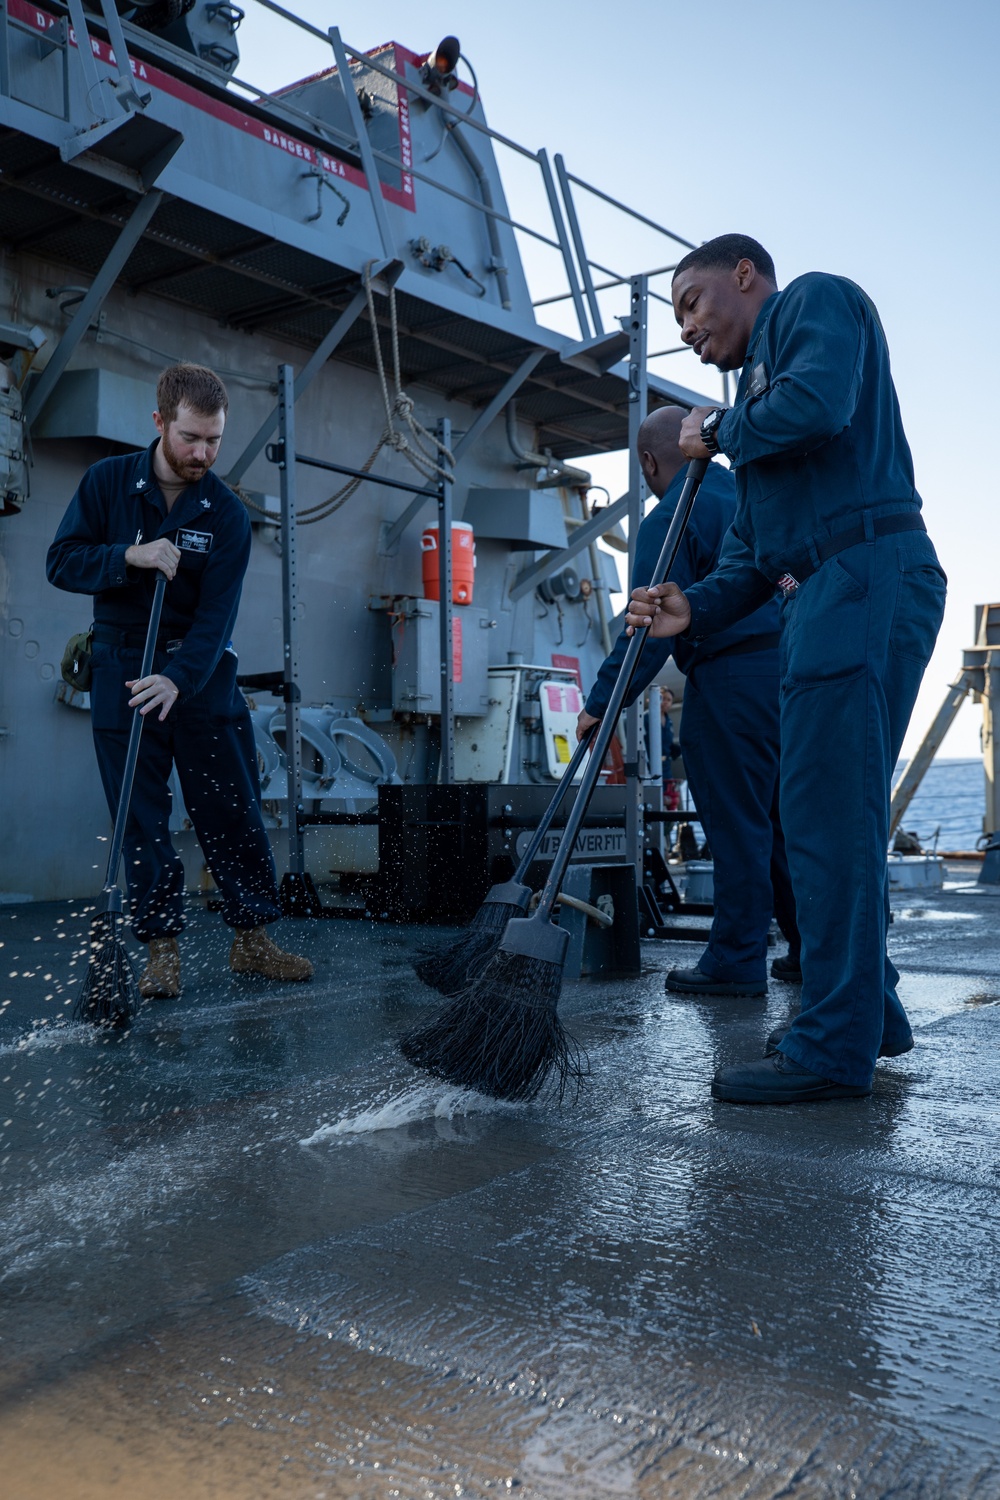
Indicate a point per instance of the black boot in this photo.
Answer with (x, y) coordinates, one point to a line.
(694, 982)
(778, 1080)
(788, 967)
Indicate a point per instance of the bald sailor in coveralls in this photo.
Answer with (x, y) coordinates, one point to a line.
(729, 729)
(163, 510)
(828, 511)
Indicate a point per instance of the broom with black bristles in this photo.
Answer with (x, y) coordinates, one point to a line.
(110, 994)
(502, 1035)
(452, 966)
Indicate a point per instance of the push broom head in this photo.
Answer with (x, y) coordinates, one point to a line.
(502, 1036)
(110, 994)
(451, 967)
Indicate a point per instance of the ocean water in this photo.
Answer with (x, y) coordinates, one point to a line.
(951, 798)
(950, 802)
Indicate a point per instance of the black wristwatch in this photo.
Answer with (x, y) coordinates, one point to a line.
(710, 427)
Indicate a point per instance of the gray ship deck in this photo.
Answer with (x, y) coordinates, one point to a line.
(640, 1294)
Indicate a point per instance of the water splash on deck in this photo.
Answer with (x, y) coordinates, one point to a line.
(425, 1102)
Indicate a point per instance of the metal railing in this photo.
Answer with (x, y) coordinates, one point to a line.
(562, 234)
(555, 237)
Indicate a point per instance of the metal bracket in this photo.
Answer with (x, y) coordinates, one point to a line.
(78, 149)
(128, 96)
(598, 355)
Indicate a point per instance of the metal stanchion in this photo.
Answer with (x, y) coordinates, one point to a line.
(447, 607)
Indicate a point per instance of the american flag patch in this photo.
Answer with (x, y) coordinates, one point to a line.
(788, 583)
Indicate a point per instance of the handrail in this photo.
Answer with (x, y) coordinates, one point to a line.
(633, 212)
(404, 82)
(467, 120)
(280, 10)
(493, 213)
(603, 286)
(459, 117)
(338, 140)
(152, 45)
(621, 280)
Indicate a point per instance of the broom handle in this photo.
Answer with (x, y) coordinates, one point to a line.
(565, 782)
(121, 816)
(606, 728)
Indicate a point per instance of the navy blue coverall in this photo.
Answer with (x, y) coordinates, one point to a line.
(208, 733)
(826, 494)
(729, 736)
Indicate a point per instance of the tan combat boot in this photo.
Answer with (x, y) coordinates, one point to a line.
(161, 978)
(253, 952)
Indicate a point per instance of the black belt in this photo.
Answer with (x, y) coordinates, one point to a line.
(853, 537)
(135, 640)
(745, 648)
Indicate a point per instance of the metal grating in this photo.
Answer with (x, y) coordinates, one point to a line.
(84, 244)
(22, 153)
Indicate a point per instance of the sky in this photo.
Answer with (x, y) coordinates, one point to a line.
(859, 138)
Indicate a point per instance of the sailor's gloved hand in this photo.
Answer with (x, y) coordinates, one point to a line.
(663, 611)
(584, 722)
(153, 692)
(159, 554)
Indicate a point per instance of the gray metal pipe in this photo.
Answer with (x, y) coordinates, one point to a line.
(555, 472)
(486, 193)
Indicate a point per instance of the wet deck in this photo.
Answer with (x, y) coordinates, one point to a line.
(245, 1251)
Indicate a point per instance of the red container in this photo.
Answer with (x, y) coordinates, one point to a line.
(463, 562)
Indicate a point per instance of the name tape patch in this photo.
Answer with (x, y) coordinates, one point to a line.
(758, 381)
(194, 541)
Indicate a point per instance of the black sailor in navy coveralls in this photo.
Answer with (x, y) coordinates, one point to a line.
(208, 734)
(828, 507)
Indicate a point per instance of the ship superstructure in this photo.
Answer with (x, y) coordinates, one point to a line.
(347, 259)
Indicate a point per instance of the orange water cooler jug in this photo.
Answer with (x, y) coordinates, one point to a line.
(463, 562)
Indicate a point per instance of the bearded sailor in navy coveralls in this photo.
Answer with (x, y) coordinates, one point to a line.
(828, 510)
(164, 510)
